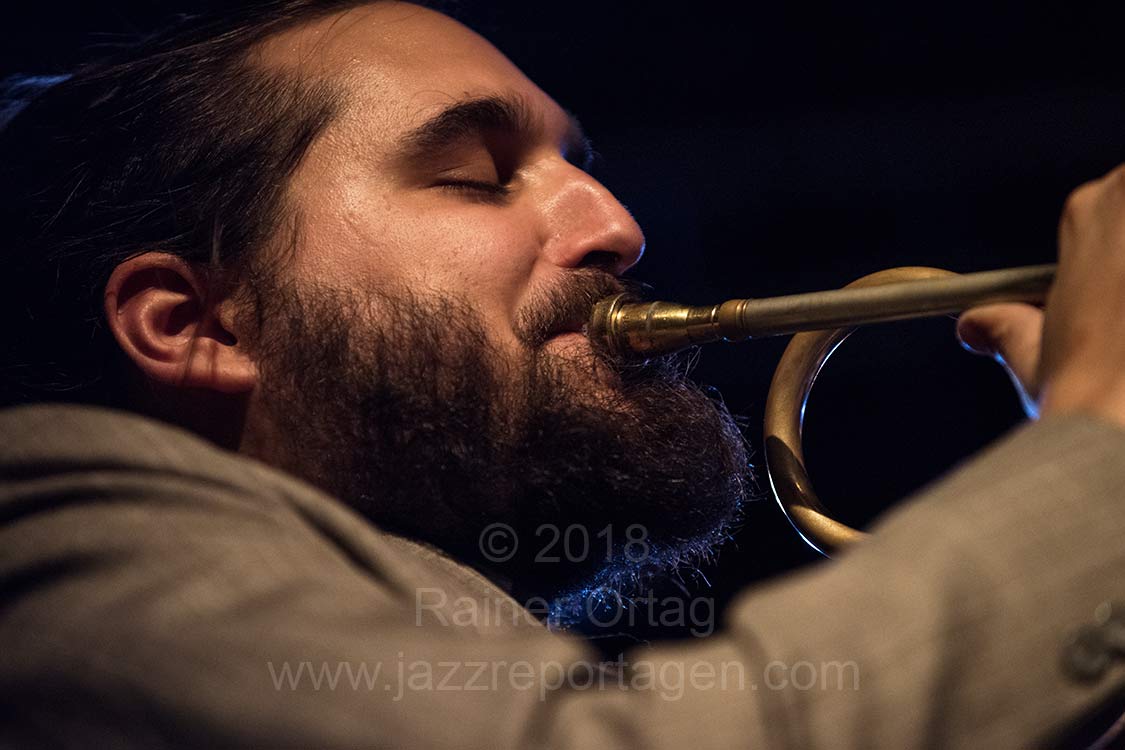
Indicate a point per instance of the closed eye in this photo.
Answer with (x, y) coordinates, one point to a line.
(486, 190)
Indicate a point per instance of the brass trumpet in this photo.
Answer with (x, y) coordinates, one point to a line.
(821, 320)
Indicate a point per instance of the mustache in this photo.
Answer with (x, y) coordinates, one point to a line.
(567, 305)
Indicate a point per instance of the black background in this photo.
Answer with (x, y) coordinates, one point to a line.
(771, 148)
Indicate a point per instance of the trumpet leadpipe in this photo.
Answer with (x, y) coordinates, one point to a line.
(628, 326)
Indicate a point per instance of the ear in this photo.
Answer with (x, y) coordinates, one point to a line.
(158, 308)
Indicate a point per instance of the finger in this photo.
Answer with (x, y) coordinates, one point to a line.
(1011, 331)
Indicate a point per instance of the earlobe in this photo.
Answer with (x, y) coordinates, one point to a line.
(161, 314)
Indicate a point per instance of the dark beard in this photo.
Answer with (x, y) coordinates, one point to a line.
(398, 405)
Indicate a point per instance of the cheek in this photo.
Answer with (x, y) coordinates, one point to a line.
(354, 238)
(487, 263)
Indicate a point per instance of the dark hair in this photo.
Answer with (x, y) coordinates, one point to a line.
(178, 143)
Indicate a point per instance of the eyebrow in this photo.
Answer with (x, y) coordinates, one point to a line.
(472, 118)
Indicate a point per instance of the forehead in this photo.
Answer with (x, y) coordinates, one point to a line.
(402, 63)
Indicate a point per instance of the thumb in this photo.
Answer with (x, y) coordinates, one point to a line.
(1011, 332)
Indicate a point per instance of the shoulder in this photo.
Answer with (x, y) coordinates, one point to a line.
(88, 445)
(89, 434)
(87, 483)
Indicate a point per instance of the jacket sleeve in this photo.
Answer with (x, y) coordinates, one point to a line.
(986, 611)
(147, 603)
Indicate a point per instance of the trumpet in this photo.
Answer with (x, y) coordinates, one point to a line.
(629, 327)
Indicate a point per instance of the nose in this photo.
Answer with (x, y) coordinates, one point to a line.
(585, 225)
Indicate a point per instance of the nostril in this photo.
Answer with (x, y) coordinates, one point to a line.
(603, 260)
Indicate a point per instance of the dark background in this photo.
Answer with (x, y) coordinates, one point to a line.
(771, 148)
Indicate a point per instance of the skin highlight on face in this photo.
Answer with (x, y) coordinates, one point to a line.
(379, 208)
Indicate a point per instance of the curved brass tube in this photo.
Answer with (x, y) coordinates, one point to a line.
(823, 320)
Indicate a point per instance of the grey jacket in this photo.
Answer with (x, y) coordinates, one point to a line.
(157, 591)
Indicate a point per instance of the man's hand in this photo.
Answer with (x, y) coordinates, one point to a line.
(1071, 356)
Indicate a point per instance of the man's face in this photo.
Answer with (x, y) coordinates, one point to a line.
(420, 355)
(448, 171)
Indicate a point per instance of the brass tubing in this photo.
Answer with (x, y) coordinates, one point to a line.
(821, 320)
(793, 379)
(651, 328)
